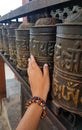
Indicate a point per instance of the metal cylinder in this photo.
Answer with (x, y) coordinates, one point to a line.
(42, 41)
(12, 41)
(22, 47)
(5, 40)
(67, 77)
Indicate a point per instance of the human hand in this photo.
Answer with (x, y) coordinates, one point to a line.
(39, 82)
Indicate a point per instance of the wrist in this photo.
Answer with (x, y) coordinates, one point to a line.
(40, 102)
(44, 97)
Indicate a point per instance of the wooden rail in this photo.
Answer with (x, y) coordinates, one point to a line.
(2, 79)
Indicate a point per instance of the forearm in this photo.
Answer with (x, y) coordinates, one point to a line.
(31, 118)
(39, 82)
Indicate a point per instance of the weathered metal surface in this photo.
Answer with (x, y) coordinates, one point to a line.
(5, 40)
(12, 41)
(76, 17)
(42, 41)
(22, 47)
(67, 78)
(67, 12)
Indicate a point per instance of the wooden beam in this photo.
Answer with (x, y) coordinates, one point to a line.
(2, 79)
(34, 5)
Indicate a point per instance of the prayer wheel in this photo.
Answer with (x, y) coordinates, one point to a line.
(67, 76)
(12, 41)
(42, 41)
(5, 40)
(22, 46)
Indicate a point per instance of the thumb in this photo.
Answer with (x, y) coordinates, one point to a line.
(45, 70)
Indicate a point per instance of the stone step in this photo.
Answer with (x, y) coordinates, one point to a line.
(11, 111)
(3, 122)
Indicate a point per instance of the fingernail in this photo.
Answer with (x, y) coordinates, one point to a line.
(32, 56)
(28, 59)
(45, 64)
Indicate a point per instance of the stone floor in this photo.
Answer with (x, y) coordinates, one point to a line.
(10, 108)
(3, 124)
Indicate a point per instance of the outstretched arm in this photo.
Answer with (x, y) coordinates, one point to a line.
(39, 83)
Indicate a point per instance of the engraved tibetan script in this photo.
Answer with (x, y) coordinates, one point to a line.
(68, 92)
(69, 59)
(42, 48)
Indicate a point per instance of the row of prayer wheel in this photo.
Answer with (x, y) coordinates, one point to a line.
(59, 45)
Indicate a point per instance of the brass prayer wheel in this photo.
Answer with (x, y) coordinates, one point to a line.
(5, 40)
(67, 77)
(22, 46)
(12, 41)
(42, 41)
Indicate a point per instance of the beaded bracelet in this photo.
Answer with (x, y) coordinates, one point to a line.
(40, 102)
